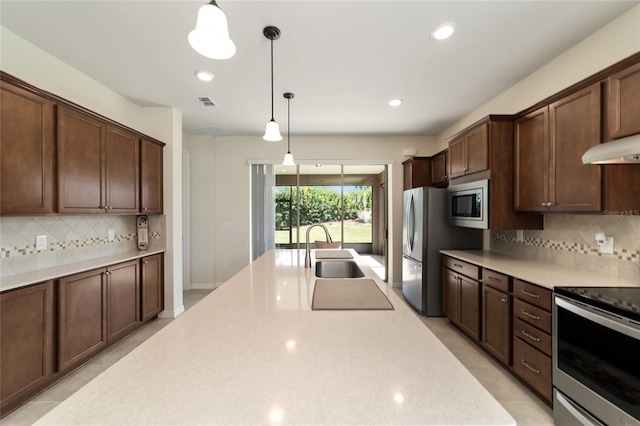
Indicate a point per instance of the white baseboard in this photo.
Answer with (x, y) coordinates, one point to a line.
(171, 314)
(203, 286)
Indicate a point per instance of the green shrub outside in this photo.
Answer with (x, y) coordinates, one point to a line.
(318, 205)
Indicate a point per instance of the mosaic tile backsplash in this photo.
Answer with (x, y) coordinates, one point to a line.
(70, 239)
(570, 240)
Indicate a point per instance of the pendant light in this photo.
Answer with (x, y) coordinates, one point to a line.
(211, 38)
(272, 131)
(288, 158)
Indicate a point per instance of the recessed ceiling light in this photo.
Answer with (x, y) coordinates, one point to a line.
(443, 31)
(395, 102)
(204, 75)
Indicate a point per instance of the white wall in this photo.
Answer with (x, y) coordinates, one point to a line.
(612, 43)
(231, 183)
(201, 218)
(37, 67)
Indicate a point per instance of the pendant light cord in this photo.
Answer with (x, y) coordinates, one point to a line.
(272, 80)
(288, 125)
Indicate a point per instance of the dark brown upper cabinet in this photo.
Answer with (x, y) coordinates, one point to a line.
(623, 106)
(417, 172)
(27, 145)
(469, 153)
(98, 166)
(549, 174)
(439, 176)
(150, 177)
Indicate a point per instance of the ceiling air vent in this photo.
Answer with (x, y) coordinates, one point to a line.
(206, 101)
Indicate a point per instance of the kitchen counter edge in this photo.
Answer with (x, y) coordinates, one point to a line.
(544, 274)
(13, 282)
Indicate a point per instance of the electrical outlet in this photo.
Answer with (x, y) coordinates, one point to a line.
(519, 235)
(41, 242)
(111, 235)
(607, 247)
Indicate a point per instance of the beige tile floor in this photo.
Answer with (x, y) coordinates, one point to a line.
(523, 406)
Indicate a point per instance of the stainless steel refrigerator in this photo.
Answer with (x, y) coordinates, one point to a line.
(426, 231)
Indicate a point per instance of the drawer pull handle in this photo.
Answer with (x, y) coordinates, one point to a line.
(532, 368)
(537, 296)
(535, 317)
(495, 279)
(534, 338)
(457, 265)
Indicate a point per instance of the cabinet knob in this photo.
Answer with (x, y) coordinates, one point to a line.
(145, 209)
(503, 300)
(549, 204)
(544, 204)
(145, 262)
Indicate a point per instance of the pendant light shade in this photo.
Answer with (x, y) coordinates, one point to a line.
(211, 38)
(272, 131)
(288, 158)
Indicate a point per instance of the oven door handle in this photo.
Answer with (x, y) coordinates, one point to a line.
(577, 413)
(600, 316)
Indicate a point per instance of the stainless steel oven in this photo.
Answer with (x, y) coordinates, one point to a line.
(596, 356)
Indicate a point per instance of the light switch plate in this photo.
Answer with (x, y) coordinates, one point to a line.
(111, 235)
(41, 242)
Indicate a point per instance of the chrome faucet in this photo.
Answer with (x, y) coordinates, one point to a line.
(307, 257)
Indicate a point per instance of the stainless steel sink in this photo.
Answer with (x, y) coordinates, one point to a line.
(338, 269)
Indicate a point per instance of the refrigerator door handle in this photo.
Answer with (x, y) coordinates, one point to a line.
(411, 218)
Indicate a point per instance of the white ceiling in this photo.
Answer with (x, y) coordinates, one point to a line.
(343, 59)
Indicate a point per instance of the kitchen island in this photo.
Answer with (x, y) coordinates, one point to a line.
(253, 352)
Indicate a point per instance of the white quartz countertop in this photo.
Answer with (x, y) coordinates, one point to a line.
(21, 280)
(253, 352)
(541, 273)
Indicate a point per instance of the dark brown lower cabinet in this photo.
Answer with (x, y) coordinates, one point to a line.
(26, 333)
(470, 306)
(496, 323)
(123, 299)
(461, 301)
(82, 317)
(450, 295)
(533, 367)
(152, 286)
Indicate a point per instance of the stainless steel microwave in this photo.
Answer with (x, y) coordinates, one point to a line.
(468, 204)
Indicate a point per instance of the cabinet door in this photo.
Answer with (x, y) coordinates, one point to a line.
(439, 169)
(532, 162)
(456, 158)
(26, 332)
(623, 109)
(450, 295)
(477, 150)
(82, 314)
(152, 286)
(27, 144)
(122, 171)
(123, 299)
(151, 177)
(496, 323)
(81, 168)
(470, 306)
(574, 128)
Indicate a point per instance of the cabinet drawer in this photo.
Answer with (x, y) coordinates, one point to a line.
(533, 294)
(461, 267)
(532, 315)
(532, 335)
(533, 367)
(496, 280)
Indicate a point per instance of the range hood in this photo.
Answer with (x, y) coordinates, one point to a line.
(619, 151)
